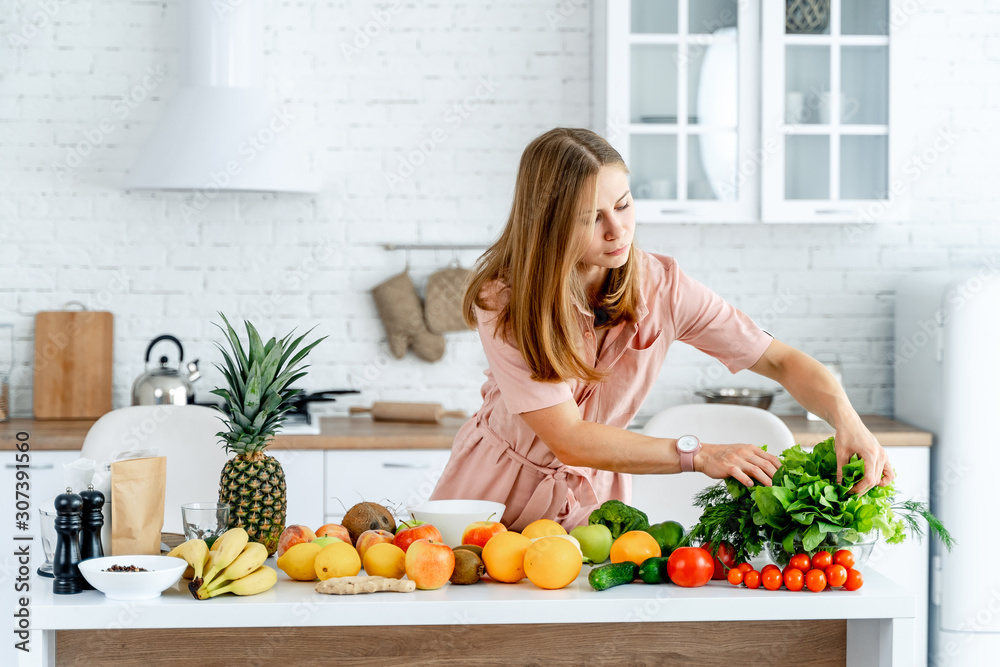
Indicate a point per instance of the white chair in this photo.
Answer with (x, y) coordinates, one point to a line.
(665, 497)
(185, 434)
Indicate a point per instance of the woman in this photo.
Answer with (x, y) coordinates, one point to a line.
(575, 321)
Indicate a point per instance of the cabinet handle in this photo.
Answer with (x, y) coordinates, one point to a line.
(413, 466)
(676, 211)
(835, 211)
(31, 466)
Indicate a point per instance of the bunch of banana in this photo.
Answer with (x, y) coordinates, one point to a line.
(233, 565)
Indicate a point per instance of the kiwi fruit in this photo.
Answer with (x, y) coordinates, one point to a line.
(367, 516)
(469, 567)
(474, 548)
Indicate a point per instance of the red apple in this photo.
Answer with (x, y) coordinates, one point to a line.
(409, 531)
(370, 538)
(429, 564)
(480, 532)
(334, 530)
(292, 535)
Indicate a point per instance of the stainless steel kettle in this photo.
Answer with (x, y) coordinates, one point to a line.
(165, 385)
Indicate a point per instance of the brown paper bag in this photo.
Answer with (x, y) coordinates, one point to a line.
(138, 487)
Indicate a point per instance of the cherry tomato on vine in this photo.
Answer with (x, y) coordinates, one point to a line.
(800, 562)
(771, 579)
(752, 579)
(845, 558)
(735, 576)
(822, 560)
(854, 580)
(794, 579)
(836, 575)
(815, 580)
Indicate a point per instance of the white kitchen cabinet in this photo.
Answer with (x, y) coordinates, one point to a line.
(397, 478)
(676, 95)
(303, 485)
(725, 113)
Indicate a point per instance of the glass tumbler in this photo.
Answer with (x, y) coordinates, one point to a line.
(205, 521)
(47, 527)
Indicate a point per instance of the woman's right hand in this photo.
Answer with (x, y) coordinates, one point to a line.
(741, 462)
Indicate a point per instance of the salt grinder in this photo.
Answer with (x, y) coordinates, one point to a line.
(90, 531)
(66, 560)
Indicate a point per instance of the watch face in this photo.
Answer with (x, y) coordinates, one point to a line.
(687, 443)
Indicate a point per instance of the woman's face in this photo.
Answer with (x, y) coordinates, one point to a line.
(614, 219)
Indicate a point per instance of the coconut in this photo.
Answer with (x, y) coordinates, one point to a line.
(368, 516)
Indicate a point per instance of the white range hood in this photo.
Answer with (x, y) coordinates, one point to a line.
(220, 131)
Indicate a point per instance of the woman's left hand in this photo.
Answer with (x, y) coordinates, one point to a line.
(857, 439)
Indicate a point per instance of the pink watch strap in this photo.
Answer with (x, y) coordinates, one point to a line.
(687, 461)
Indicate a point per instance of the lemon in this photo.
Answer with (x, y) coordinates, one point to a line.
(298, 562)
(337, 560)
(385, 560)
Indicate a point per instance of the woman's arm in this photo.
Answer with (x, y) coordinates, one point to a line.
(815, 388)
(576, 442)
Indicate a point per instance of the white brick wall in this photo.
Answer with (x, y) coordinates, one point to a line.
(295, 261)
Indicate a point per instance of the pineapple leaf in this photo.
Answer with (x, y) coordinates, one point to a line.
(251, 402)
(304, 351)
(291, 348)
(256, 345)
(234, 340)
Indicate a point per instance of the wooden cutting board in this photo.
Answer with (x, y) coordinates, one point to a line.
(73, 354)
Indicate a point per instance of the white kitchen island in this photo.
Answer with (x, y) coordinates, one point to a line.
(293, 624)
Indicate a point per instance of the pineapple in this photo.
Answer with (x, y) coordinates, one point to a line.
(257, 397)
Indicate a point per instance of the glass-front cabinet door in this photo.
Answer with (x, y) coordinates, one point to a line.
(677, 96)
(826, 112)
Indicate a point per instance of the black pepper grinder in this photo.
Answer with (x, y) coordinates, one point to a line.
(66, 561)
(90, 531)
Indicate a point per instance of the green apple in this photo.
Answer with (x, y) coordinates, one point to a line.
(325, 540)
(595, 541)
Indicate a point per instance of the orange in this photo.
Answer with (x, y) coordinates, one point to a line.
(385, 560)
(503, 556)
(543, 528)
(636, 546)
(552, 562)
(338, 559)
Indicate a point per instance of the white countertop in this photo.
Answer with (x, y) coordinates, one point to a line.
(292, 603)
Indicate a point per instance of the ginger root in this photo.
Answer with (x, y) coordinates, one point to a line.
(355, 585)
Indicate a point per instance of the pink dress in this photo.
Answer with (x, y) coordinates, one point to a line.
(496, 456)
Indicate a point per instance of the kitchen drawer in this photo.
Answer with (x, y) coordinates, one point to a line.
(399, 479)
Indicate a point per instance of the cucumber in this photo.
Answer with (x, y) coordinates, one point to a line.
(654, 570)
(607, 576)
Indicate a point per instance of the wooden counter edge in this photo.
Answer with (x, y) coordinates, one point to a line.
(361, 433)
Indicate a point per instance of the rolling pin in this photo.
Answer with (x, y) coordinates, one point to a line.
(420, 413)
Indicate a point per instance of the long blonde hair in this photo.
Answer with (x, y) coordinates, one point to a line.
(538, 253)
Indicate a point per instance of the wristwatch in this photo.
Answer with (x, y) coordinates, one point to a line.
(687, 447)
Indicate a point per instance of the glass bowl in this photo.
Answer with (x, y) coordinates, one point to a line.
(861, 549)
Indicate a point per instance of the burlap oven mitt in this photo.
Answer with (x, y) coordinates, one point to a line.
(443, 305)
(403, 317)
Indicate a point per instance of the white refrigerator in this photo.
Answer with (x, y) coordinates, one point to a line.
(947, 377)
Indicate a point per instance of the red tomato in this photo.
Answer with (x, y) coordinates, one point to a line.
(815, 580)
(752, 579)
(800, 562)
(690, 567)
(836, 575)
(845, 558)
(735, 576)
(771, 579)
(768, 567)
(744, 567)
(854, 580)
(822, 560)
(794, 579)
(724, 558)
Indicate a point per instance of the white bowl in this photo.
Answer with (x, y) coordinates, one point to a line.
(163, 572)
(451, 517)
